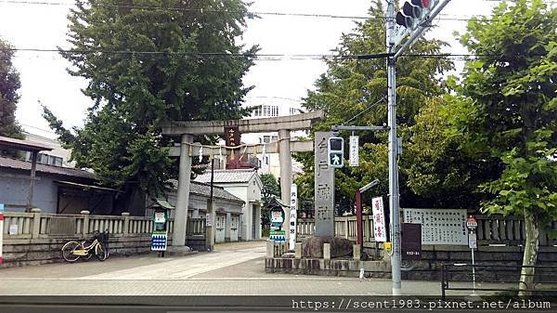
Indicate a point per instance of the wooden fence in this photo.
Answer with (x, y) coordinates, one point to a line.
(492, 230)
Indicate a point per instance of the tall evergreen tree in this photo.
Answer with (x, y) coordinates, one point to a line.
(356, 87)
(150, 61)
(9, 85)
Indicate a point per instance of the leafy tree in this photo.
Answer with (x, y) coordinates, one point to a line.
(270, 188)
(9, 84)
(510, 89)
(354, 86)
(150, 61)
(440, 172)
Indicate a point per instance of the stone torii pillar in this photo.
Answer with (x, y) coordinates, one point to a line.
(186, 130)
(183, 194)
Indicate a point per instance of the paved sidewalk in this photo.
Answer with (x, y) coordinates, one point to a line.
(231, 269)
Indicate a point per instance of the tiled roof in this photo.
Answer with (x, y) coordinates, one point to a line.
(24, 145)
(218, 192)
(204, 190)
(47, 169)
(227, 176)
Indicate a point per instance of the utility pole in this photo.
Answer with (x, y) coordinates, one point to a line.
(394, 209)
(414, 19)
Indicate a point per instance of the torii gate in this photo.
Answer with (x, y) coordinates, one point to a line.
(187, 130)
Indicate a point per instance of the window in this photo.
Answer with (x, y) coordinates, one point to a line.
(257, 111)
(266, 139)
(44, 158)
(57, 161)
(274, 138)
(265, 110)
(294, 111)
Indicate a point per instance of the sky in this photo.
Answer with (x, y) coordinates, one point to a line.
(42, 25)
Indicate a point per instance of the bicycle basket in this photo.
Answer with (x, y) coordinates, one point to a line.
(102, 237)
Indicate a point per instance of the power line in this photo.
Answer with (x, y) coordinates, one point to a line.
(265, 56)
(254, 13)
(154, 7)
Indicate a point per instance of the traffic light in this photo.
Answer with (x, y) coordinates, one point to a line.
(414, 12)
(335, 151)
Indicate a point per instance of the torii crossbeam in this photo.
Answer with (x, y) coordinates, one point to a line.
(187, 130)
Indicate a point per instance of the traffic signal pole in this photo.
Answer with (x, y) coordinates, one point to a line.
(421, 29)
(416, 17)
(393, 153)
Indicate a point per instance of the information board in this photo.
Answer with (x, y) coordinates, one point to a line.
(440, 226)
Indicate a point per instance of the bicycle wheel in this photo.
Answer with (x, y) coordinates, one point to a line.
(100, 252)
(68, 251)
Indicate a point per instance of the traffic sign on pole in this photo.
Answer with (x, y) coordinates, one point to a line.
(354, 151)
(471, 222)
(335, 152)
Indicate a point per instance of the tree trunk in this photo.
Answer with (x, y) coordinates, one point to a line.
(531, 246)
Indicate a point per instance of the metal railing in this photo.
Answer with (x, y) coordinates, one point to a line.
(497, 279)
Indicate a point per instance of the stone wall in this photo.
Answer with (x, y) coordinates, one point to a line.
(494, 263)
(37, 238)
(21, 252)
(333, 267)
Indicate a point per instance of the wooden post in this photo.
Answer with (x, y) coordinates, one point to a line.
(359, 224)
(34, 155)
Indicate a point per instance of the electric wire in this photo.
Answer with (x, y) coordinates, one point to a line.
(257, 57)
(250, 13)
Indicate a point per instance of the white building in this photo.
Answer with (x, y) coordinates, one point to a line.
(272, 107)
(58, 156)
(246, 185)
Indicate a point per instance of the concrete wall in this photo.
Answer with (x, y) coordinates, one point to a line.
(38, 237)
(14, 190)
(21, 252)
(494, 264)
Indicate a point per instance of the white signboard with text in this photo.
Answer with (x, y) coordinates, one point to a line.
(440, 226)
(293, 216)
(379, 228)
(354, 151)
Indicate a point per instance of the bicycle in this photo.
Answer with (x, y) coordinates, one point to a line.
(97, 245)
